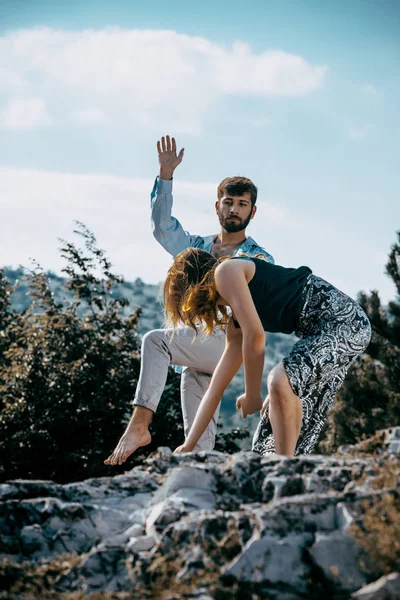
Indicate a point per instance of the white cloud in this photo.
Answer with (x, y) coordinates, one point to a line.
(90, 115)
(271, 73)
(9, 79)
(25, 113)
(144, 75)
(38, 207)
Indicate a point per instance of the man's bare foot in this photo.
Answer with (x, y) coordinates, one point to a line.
(134, 437)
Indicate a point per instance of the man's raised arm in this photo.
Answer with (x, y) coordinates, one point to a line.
(166, 229)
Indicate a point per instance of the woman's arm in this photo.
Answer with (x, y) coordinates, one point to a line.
(227, 367)
(231, 278)
(245, 344)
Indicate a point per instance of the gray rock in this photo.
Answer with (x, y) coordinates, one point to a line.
(164, 452)
(269, 521)
(293, 486)
(298, 514)
(104, 569)
(313, 484)
(133, 531)
(8, 491)
(163, 514)
(77, 537)
(142, 543)
(344, 449)
(120, 486)
(186, 476)
(48, 527)
(344, 516)
(27, 488)
(33, 542)
(194, 498)
(202, 457)
(394, 447)
(195, 560)
(274, 560)
(385, 588)
(110, 521)
(271, 488)
(337, 555)
(393, 440)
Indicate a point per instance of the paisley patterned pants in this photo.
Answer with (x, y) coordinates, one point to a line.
(333, 330)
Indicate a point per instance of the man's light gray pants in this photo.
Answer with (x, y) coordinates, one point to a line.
(199, 357)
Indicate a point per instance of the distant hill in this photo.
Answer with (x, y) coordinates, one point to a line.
(149, 298)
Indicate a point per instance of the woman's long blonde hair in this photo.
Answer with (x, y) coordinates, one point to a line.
(190, 293)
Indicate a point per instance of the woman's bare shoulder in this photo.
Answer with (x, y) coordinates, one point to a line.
(229, 268)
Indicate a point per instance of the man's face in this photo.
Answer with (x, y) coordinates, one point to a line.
(234, 212)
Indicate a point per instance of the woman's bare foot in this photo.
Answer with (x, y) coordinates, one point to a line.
(134, 437)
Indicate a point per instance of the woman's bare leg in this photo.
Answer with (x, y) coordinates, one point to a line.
(285, 411)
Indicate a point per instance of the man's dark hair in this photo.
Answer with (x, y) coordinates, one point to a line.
(237, 186)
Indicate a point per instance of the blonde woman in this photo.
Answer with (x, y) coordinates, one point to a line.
(333, 330)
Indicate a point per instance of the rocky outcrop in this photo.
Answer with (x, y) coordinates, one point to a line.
(198, 526)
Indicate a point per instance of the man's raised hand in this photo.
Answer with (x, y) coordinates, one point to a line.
(167, 157)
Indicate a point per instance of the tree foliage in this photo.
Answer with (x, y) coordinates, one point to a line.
(370, 397)
(68, 373)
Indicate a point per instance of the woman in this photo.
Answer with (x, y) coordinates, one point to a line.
(333, 331)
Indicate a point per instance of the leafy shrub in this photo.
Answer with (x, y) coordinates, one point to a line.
(370, 396)
(68, 373)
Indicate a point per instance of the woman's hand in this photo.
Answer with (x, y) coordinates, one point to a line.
(181, 449)
(249, 404)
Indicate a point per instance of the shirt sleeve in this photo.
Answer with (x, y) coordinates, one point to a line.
(166, 229)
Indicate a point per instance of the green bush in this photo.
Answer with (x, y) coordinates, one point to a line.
(68, 373)
(370, 396)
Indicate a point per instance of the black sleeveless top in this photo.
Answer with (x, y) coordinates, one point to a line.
(276, 293)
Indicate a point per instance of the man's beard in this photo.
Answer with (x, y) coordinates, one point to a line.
(233, 225)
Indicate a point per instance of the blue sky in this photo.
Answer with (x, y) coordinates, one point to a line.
(300, 96)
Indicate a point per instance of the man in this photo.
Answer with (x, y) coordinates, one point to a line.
(235, 207)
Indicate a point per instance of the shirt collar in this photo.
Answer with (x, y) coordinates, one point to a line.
(209, 240)
(250, 242)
